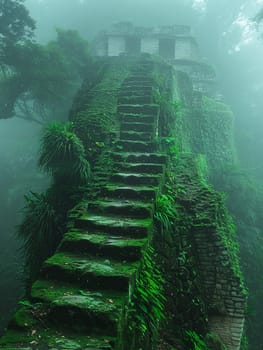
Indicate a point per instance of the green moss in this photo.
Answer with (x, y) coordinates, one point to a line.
(104, 239)
(98, 267)
(24, 318)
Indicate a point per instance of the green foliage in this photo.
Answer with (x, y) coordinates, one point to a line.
(165, 211)
(195, 341)
(45, 76)
(202, 167)
(40, 231)
(69, 42)
(62, 154)
(172, 146)
(16, 24)
(146, 308)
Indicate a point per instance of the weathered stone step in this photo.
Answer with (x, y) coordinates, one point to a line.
(127, 208)
(104, 245)
(136, 83)
(137, 90)
(133, 157)
(80, 310)
(136, 179)
(42, 337)
(90, 271)
(141, 168)
(137, 126)
(136, 136)
(136, 146)
(133, 99)
(130, 192)
(115, 225)
(139, 77)
(151, 109)
(137, 118)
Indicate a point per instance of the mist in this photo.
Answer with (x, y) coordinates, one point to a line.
(229, 39)
(227, 36)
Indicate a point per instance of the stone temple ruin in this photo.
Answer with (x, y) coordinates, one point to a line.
(173, 43)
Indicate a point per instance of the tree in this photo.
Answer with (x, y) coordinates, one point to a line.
(41, 80)
(16, 25)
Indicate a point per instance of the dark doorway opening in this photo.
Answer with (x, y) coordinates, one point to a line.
(167, 47)
(133, 45)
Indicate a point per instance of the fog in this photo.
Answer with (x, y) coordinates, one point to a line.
(225, 31)
(228, 38)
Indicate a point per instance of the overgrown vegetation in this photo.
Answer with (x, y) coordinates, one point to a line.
(145, 311)
(37, 81)
(62, 154)
(165, 212)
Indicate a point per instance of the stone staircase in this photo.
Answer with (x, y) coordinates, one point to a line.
(84, 286)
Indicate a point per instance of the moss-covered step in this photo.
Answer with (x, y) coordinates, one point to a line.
(144, 193)
(103, 245)
(136, 136)
(80, 310)
(137, 126)
(132, 99)
(115, 225)
(136, 93)
(138, 157)
(136, 84)
(43, 338)
(136, 179)
(151, 109)
(137, 118)
(139, 78)
(141, 168)
(140, 90)
(90, 271)
(127, 208)
(136, 146)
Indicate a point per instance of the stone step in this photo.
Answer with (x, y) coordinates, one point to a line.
(136, 136)
(145, 193)
(103, 245)
(135, 99)
(133, 157)
(151, 109)
(114, 225)
(136, 146)
(136, 179)
(136, 83)
(127, 208)
(140, 77)
(89, 271)
(79, 309)
(44, 336)
(137, 118)
(138, 90)
(135, 126)
(141, 168)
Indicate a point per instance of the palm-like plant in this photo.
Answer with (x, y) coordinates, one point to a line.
(40, 231)
(63, 155)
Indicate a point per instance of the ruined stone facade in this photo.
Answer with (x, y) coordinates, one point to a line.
(174, 43)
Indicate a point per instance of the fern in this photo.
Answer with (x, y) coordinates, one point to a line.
(165, 211)
(62, 153)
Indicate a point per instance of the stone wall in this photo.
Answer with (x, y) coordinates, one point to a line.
(224, 295)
